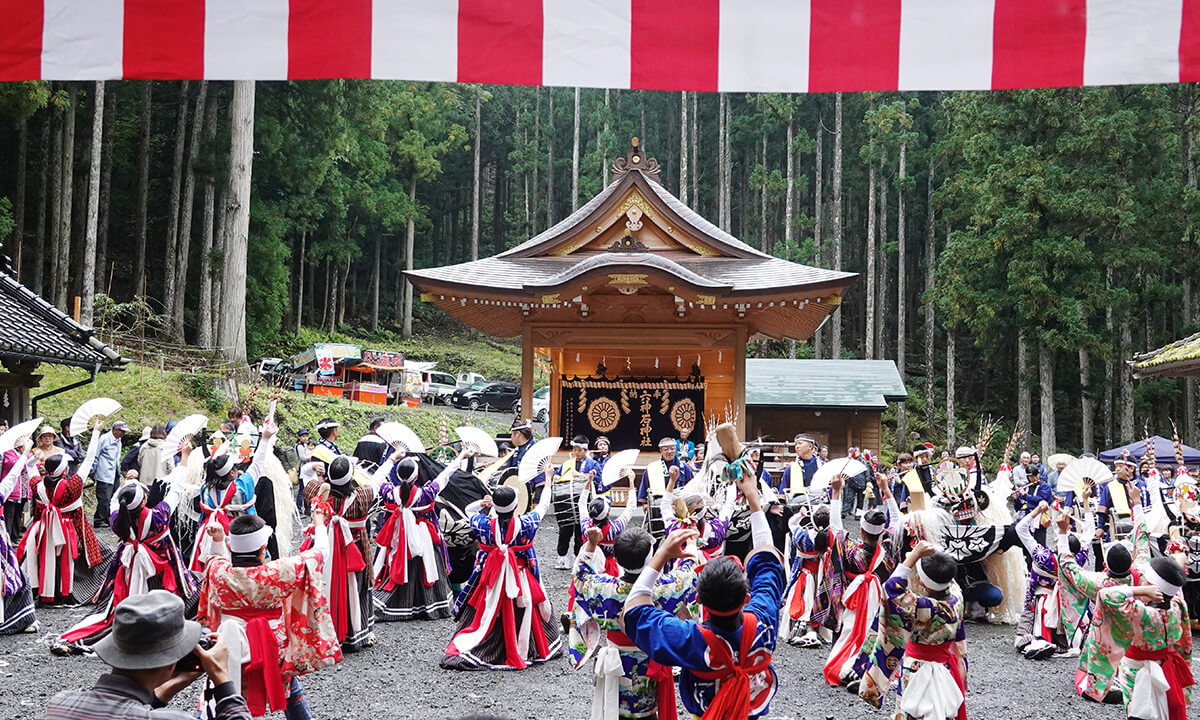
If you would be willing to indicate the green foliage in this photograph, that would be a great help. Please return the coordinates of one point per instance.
(6, 219)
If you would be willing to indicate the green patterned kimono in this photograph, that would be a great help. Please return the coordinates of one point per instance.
(1147, 628)
(1106, 640)
(908, 616)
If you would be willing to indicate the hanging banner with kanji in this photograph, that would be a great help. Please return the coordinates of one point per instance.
(630, 412)
(705, 45)
(324, 361)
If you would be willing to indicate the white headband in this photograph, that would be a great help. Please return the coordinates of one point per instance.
(250, 542)
(645, 561)
(509, 507)
(581, 446)
(866, 526)
(139, 494)
(604, 513)
(342, 479)
(928, 581)
(1168, 589)
(61, 467)
(226, 466)
(324, 425)
(406, 469)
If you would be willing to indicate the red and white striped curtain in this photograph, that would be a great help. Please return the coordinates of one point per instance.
(705, 45)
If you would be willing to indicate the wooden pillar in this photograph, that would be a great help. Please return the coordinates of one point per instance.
(739, 381)
(526, 370)
(556, 366)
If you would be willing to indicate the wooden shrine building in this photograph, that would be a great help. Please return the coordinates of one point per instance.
(642, 306)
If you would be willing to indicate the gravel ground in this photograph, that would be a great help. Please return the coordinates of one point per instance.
(400, 677)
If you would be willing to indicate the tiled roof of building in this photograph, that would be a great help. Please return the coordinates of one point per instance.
(32, 329)
(823, 384)
(740, 274)
(1180, 358)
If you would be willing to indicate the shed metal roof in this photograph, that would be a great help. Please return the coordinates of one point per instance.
(823, 384)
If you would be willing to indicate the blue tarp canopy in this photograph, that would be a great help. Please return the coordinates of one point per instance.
(1164, 451)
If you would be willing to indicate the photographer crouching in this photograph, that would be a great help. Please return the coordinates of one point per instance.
(154, 653)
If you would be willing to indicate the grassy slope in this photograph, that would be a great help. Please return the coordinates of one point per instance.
(150, 396)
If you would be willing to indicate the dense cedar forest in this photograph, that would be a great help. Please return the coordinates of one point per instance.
(1016, 247)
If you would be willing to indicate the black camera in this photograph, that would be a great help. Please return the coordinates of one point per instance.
(191, 662)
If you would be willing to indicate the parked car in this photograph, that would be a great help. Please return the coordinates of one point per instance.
(266, 365)
(541, 404)
(282, 373)
(437, 386)
(467, 379)
(488, 395)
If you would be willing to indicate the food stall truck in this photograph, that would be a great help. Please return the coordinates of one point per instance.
(371, 377)
(322, 367)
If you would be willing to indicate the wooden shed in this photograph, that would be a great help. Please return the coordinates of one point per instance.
(839, 402)
(642, 306)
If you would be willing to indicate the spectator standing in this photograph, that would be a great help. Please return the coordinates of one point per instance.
(69, 445)
(149, 638)
(104, 471)
(152, 463)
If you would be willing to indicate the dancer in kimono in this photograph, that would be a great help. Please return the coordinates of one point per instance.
(725, 660)
(1105, 642)
(1040, 629)
(228, 493)
(924, 615)
(597, 513)
(811, 595)
(1155, 674)
(146, 557)
(410, 565)
(273, 614)
(505, 620)
(863, 565)
(627, 683)
(346, 578)
(691, 509)
(16, 596)
(61, 555)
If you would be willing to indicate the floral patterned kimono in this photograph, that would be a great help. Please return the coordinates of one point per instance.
(275, 619)
(16, 597)
(1106, 641)
(1046, 614)
(931, 678)
(1155, 673)
(628, 684)
(505, 620)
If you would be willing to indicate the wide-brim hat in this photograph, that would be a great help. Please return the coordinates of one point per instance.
(47, 430)
(148, 632)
